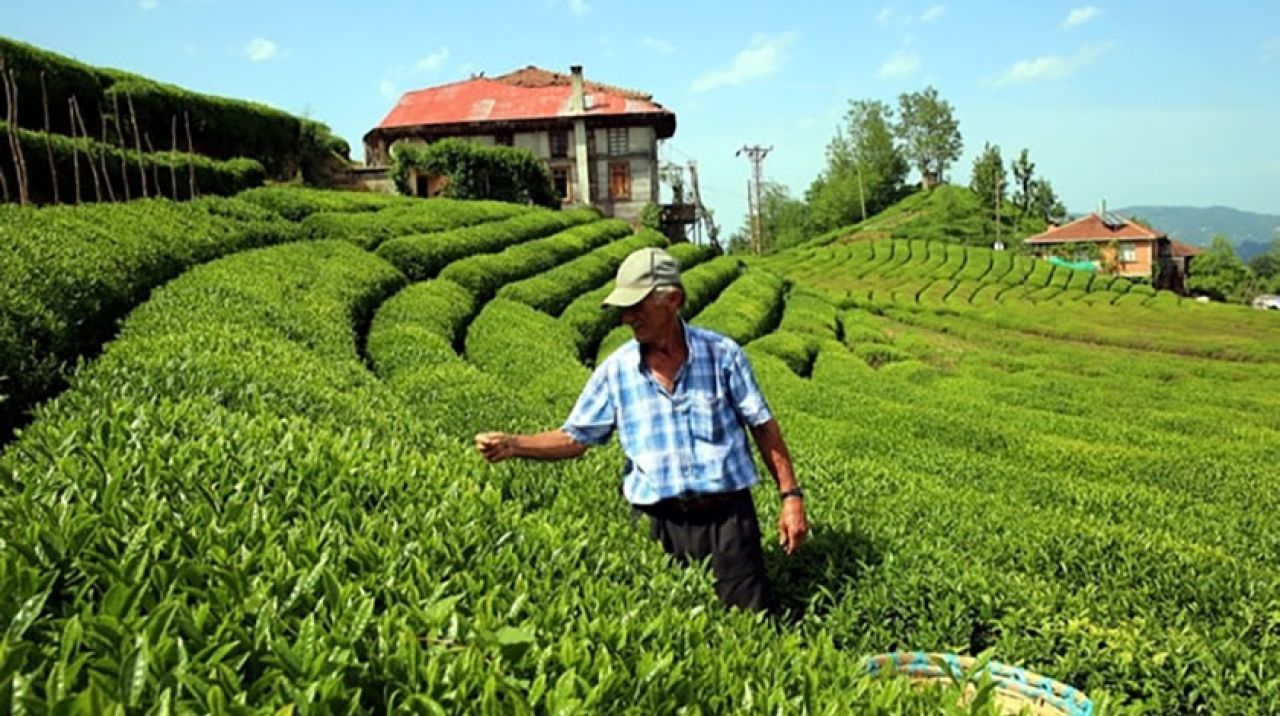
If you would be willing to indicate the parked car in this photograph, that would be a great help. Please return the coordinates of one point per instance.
(1267, 301)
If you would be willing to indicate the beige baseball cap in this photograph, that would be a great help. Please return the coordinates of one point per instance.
(641, 272)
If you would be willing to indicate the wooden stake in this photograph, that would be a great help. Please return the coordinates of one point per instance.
(8, 137)
(137, 143)
(173, 157)
(106, 175)
(48, 144)
(191, 153)
(15, 144)
(75, 148)
(155, 169)
(124, 153)
(84, 132)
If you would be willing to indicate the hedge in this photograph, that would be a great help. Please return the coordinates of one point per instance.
(419, 326)
(221, 128)
(421, 256)
(167, 173)
(551, 291)
(477, 171)
(749, 308)
(368, 229)
(298, 202)
(71, 272)
(484, 274)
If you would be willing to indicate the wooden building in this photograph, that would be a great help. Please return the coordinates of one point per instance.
(600, 142)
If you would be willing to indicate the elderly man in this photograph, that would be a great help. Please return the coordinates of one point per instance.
(679, 397)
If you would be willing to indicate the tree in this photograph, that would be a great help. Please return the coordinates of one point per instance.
(1023, 174)
(930, 134)
(1045, 203)
(476, 171)
(989, 180)
(865, 169)
(1218, 272)
(785, 218)
(1267, 265)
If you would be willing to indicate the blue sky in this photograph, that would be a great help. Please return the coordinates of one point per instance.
(1133, 102)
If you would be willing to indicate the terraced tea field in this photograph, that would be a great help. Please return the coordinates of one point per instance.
(257, 492)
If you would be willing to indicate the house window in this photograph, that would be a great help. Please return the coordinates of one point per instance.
(618, 144)
(1128, 253)
(560, 180)
(504, 139)
(620, 180)
(559, 144)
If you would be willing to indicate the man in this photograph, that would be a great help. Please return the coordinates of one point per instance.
(679, 397)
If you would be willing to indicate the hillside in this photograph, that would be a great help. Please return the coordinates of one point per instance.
(263, 490)
(1251, 233)
(946, 213)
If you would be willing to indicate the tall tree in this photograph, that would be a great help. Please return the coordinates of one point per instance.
(989, 180)
(1045, 203)
(865, 169)
(930, 134)
(1023, 174)
(1218, 272)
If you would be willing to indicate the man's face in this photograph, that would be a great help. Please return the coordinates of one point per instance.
(653, 317)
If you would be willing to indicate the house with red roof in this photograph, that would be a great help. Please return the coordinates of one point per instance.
(600, 142)
(1121, 246)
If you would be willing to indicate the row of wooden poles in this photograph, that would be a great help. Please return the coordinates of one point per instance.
(99, 172)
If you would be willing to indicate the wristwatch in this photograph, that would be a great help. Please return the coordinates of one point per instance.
(793, 492)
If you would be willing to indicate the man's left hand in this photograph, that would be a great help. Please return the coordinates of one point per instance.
(793, 527)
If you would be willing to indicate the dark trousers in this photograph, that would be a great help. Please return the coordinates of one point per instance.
(724, 528)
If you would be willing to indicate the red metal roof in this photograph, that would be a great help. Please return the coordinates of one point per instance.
(1094, 227)
(530, 93)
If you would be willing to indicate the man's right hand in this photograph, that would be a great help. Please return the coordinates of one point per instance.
(495, 447)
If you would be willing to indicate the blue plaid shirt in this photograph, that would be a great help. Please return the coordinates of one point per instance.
(684, 442)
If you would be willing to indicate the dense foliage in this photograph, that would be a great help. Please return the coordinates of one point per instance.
(476, 171)
(105, 170)
(221, 128)
(245, 504)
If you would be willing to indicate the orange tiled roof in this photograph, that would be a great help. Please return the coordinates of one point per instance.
(1096, 227)
(1181, 249)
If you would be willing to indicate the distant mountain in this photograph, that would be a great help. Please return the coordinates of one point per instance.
(1250, 233)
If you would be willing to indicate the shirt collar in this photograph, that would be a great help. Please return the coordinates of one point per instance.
(692, 352)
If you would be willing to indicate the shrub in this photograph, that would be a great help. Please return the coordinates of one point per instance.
(484, 274)
(422, 256)
(476, 171)
(167, 173)
(551, 291)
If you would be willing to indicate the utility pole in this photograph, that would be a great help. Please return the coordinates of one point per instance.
(756, 154)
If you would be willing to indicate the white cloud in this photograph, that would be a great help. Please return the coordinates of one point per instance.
(900, 64)
(885, 14)
(579, 7)
(762, 57)
(1050, 67)
(387, 89)
(1080, 16)
(660, 46)
(433, 61)
(932, 13)
(148, 4)
(260, 49)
